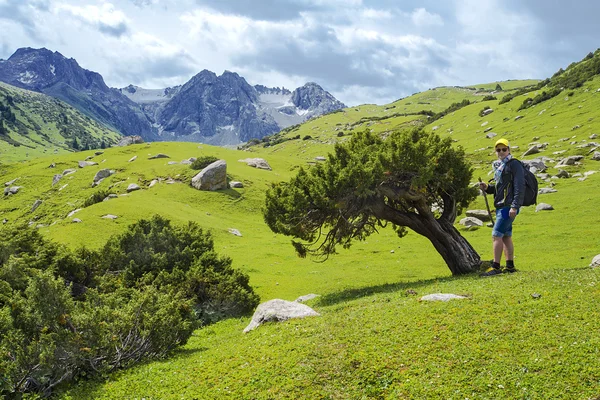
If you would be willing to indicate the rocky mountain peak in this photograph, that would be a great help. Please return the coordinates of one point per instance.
(311, 96)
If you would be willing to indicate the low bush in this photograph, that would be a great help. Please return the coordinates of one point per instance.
(70, 314)
(97, 197)
(203, 162)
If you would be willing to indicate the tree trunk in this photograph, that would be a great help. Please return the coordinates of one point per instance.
(456, 251)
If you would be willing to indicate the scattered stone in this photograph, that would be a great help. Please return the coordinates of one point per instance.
(129, 140)
(103, 173)
(471, 222)
(596, 156)
(572, 160)
(543, 207)
(4, 221)
(547, 190)
(442, 297)
(76, 220)
(488, 111)
(109, 216)
(172, 162)
(213, 177)
(532, 150)
(595, 262)
(56, 178)
(536, 295)
(306, 297)
(89, 158)
(159, 155)
(186, 162)
(485, 123)
(37, 203)
(320, 158)
(53, 165)
(593, 136)
(234, 232)
(132, 159)
(563, 174)
(411, 292)
(98, 153)
(278, 311)
(236, 184)
(83, 164)
(518, 117)
(481, 215)
(68, 171)
(9, 183)
(11, 190)
(491, 135)
(69, 215)
(154, 182)
(588, 173)
(132, 187)
(257, 163)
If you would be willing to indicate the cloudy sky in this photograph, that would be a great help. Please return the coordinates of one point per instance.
(362, 51)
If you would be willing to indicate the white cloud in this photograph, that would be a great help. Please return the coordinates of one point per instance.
(422, 18)
(105, 17)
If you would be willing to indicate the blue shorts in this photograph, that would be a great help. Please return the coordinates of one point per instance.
(503, 225)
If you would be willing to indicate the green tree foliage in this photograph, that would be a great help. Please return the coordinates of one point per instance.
(203, 162)
(545, 95)
(68, 314)
(413, 180)
(498, 88)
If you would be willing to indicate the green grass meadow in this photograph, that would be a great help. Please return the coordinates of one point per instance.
(529, 335)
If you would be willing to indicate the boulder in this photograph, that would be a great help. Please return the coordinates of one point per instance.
(11, 190)
(133, 159)
(536, 163)
(563, 174)
(306, 297)
(36, 204)
(595, 262)
(109, 216)
(76, 220)
(154, 182)
(481, 215)
(532, 150)
(103, 173)
(9, 183)
(257, 163)
(596, 156)
(572, 160)
(97, 153)
(213, 177)
(236, 184)
(132, 187)
(320, 158)
(128, 140)
(491, 135)
(488, 111)
(547, 190)
(442, 297)
(83, 164)
(69, 215)
(470, 222)
(56, 178)
(543, 207)
(277, 311)
(68, 171)
(234, 232)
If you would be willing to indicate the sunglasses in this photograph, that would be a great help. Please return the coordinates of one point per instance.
(501, 150)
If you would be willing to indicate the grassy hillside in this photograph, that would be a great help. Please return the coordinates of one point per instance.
(527, 335)
(37, 125)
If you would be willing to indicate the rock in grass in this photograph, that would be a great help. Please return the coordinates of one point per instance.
(234, 232)
(259, 163)
(213, 177)
(83, 164)
(306, 297)
(109, 216)
(76, 220)
(159, 155)
(11, 190)
(37, 203)
(481, 215)
(133, 159)
(595, 262)
(278, 311)
(103, 173)
(132, 187)
(236, 184)
(9, 183)
(543, 207)
(56, 178)
(471, 222)
(442, 297)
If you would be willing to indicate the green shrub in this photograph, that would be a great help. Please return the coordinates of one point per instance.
(97, 197)
(68, 314)
(307, 137)
(203, 162)
(489, 98)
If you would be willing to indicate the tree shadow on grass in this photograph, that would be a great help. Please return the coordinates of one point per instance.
(358, 293)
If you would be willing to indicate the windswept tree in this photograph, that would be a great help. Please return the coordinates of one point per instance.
(414, 180)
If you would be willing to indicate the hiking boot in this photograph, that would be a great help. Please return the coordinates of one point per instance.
(509, 270)
(491, 272)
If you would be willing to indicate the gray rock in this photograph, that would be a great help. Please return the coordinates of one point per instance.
(320, 158)
(536, 163)
(596, 156)
(97, 153)
(83, 164)
(37, 203)
(593, 136)
(257, 163)
(491, 135)
(76, 220)
(4, 221)
(172, 162)
(213, 177)
(236, 184)
(278, 311)
(11, 190)
(103, 173)
(563, 174)
(56, 178)
(595, 262)
(547, 190)
(234, 232)
(543, 207)
(306, 297)
(9, 183)
(132, 187)
(154, 182)
(159, 155)
(442, 297)
(69, 215)
(68, 171)
(481, 215)
(53, 165)
(129, 140)
(109, 216)
(471, 222)
(518, 117)
(186, 162)
(133, 159)
(488, 111)
(572, 160)
(532, 150)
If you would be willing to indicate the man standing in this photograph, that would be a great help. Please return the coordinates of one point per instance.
(508, 191)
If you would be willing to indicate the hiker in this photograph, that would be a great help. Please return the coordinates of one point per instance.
(508, 191)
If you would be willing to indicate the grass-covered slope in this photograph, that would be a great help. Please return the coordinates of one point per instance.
(37, 125)
(526, 335)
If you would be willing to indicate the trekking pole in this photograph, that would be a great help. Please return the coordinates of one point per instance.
(486, 202)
